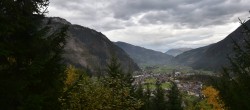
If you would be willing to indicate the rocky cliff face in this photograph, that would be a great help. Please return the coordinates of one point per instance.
(87, 48)
(214, 56)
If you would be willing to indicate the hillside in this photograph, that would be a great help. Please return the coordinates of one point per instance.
(214, 56)
(143, 56)
(87, 48)
(177, 51)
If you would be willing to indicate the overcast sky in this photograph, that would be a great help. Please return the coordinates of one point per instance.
(156, 24)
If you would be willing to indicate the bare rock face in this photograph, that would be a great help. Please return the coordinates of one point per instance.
(87, 48)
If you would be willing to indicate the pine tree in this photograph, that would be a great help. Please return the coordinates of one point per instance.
(159, 99)
(139, 94)
(30, 68)
(174, 98)
(121, 86)
(147, 99)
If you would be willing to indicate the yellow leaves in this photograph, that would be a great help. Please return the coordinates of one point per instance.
(212, 98)
(11, 60)
(71, 75)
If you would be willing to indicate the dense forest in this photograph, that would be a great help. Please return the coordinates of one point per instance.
(33, 77)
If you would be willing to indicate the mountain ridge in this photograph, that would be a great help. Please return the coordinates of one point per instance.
(89, 49)
(214, 56)
(143, 56)
(177, 51)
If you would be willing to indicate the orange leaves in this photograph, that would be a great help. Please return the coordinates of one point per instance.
(212, 98)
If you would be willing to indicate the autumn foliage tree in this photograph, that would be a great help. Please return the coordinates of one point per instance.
(112, 92)
(82, 92)
(212, 100)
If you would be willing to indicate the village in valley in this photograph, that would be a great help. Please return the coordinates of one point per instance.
(188, 81)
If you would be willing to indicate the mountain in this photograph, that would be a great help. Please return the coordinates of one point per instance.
(178, 51)
(214, 56)
(143, 56)
(87, 48)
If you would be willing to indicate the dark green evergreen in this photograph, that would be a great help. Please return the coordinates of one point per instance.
(159, 101)
(121, 85)
(174, 98)
(147, 99)
(115, 72)
(139, 92)
(114, 68)
(30, 68)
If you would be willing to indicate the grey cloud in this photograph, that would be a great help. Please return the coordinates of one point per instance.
(127, 19)
(181, 13)
(174, 40)
(125, 9)
(93, 14)
(110, 25)
(189, 13)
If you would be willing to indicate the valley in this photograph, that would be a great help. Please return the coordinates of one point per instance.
(190, 82)
(188, 72)
(124, 55)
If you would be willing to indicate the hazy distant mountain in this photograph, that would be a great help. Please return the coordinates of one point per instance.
(143, 56)
(177, 51)
(87, 48)
(213, 56)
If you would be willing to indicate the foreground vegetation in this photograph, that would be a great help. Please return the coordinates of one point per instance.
(31, 73)
(32, 76)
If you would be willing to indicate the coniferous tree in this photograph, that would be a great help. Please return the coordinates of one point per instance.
(128, 78)
(159, 102)
(121, 86)
(143, 96)
(147, 99)
(30, 68)
(174, 98)
(139, 94)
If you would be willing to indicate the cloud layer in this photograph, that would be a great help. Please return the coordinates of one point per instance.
(156, 24)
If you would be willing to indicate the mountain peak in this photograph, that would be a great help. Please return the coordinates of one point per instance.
(59, 20)
(87, 48)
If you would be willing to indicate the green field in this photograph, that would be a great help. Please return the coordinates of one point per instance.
(152, 81)
(168, 69)
(166, 85)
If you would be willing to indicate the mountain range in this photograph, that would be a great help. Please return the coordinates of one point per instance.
(87, 48)
(214, 56)
(177, 51)
(143, 56)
